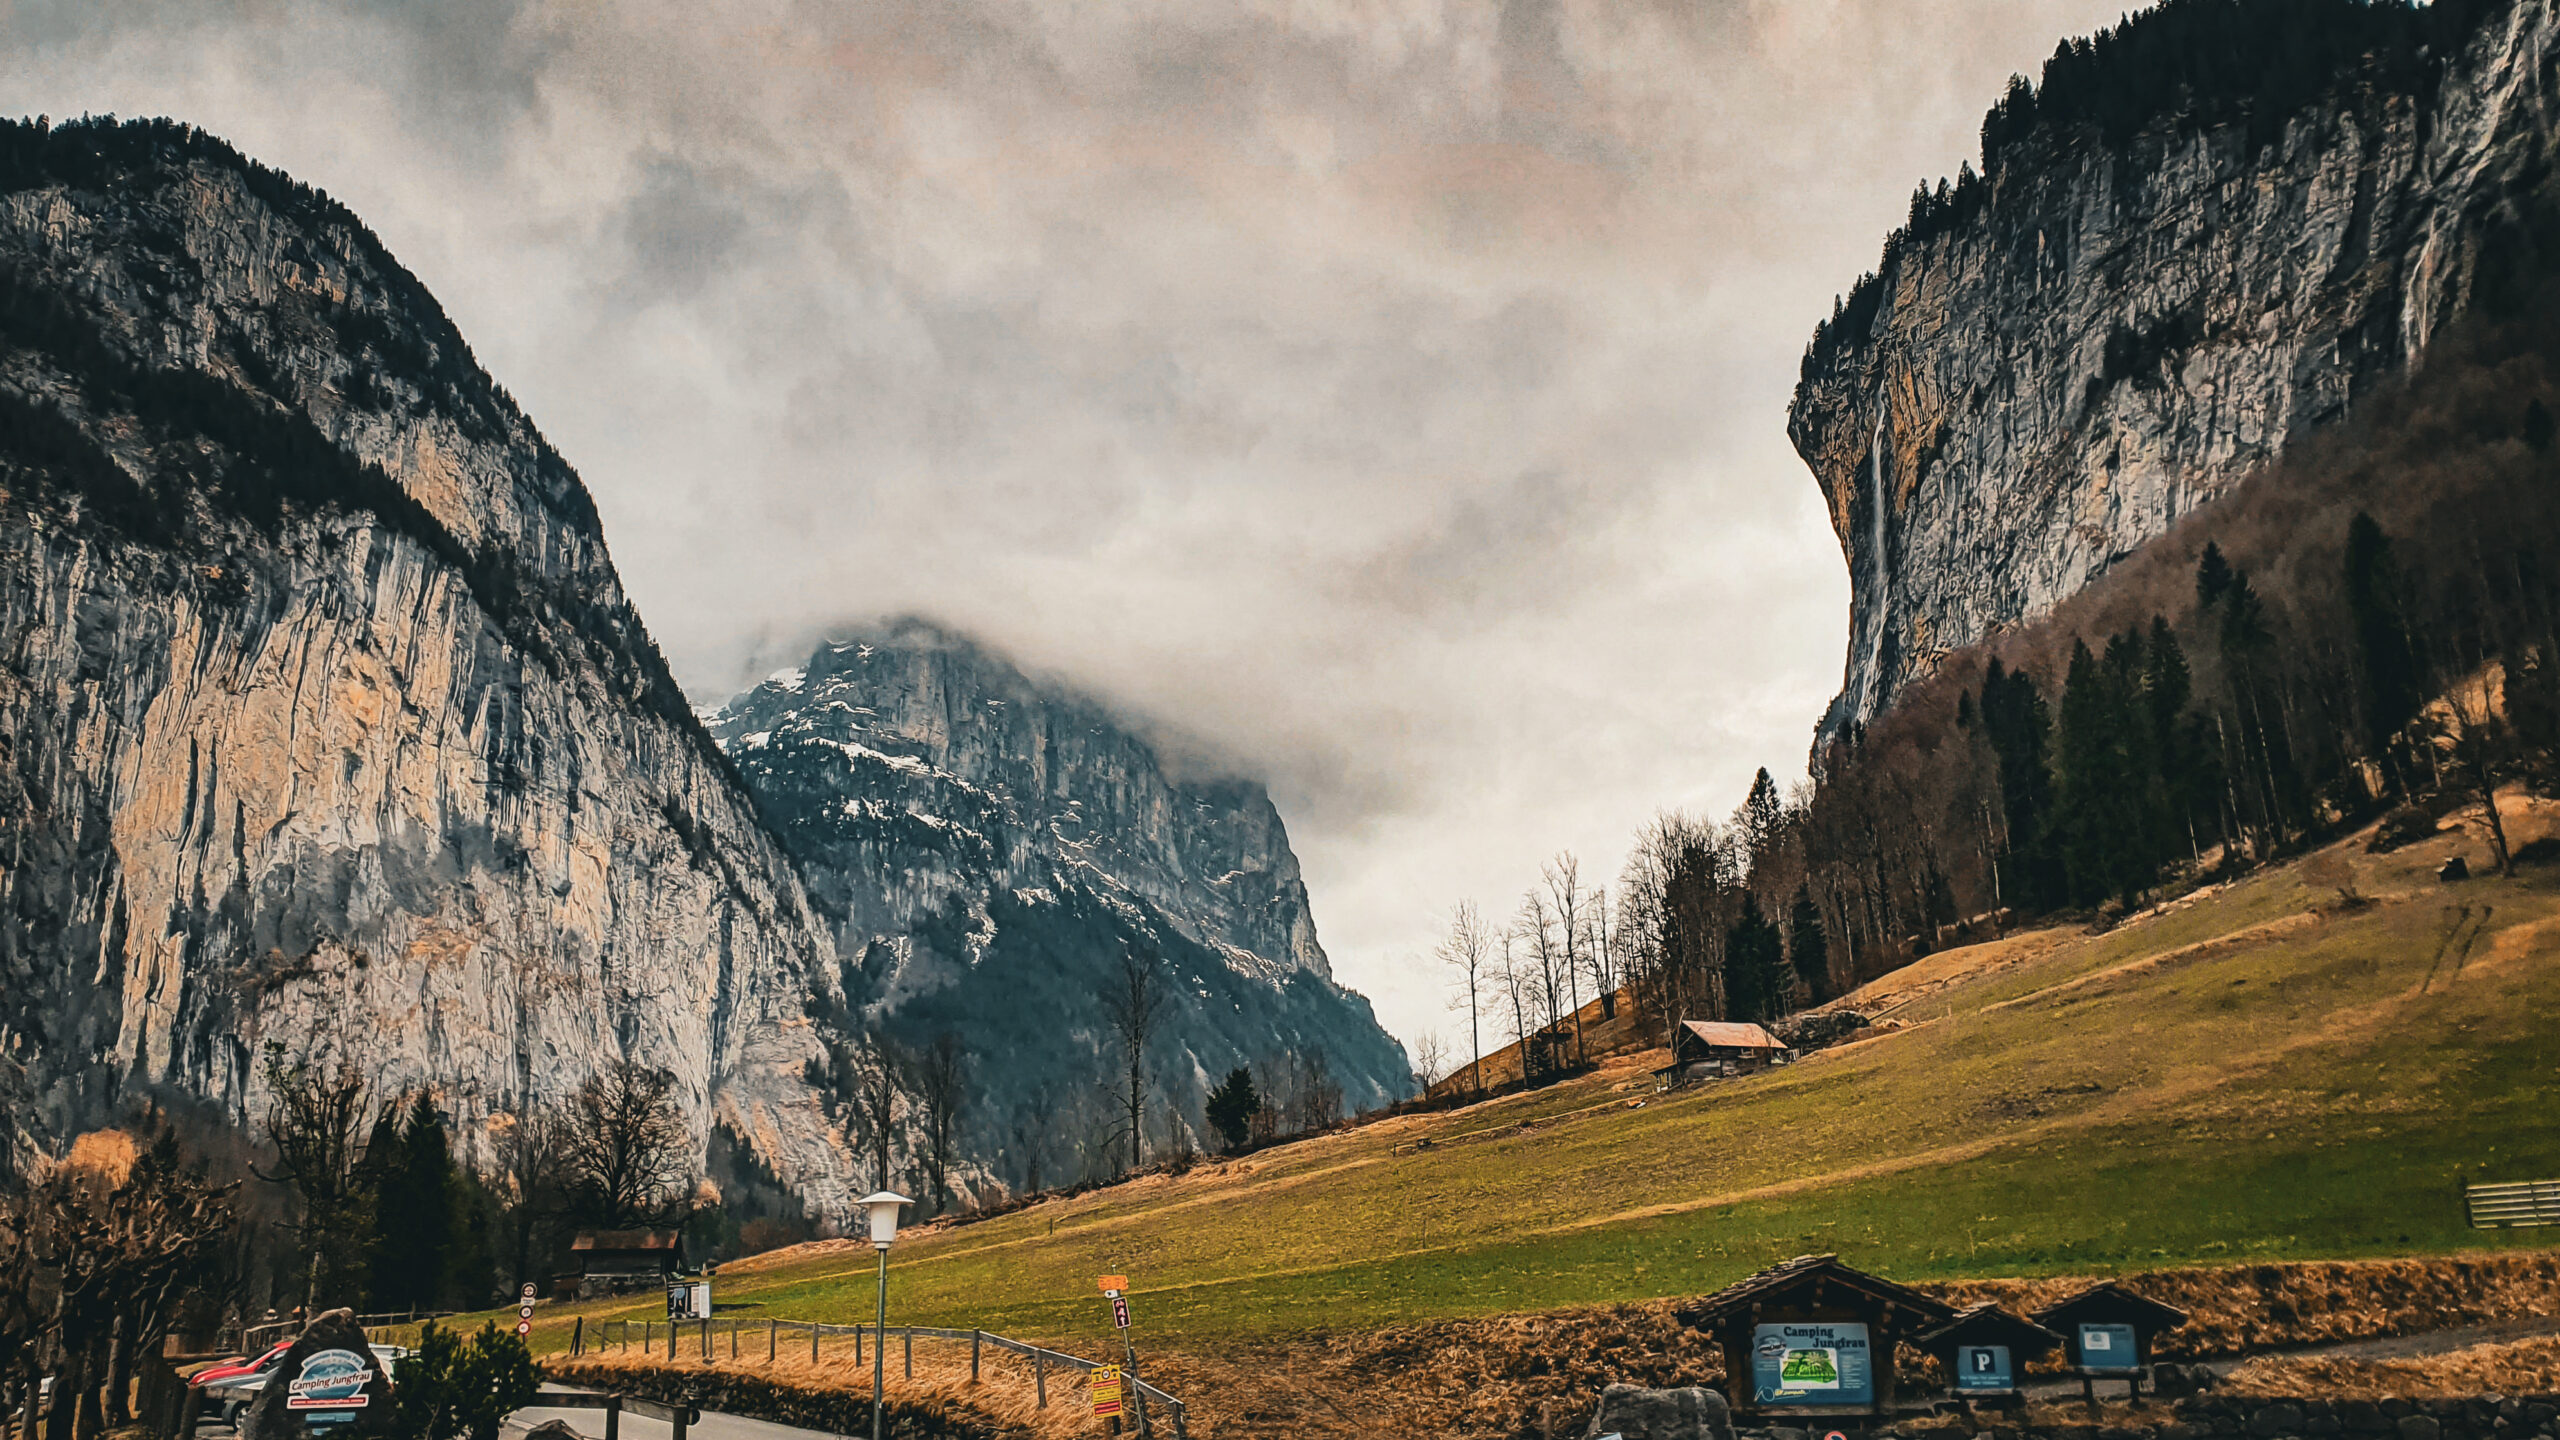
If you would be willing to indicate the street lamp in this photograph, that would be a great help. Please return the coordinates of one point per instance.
(882, 1206)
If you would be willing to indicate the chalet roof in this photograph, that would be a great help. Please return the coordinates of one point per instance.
(1804, 1270)
(1733, 1035)
(626, 1240)
(1988, 1324)
(2108, 1303)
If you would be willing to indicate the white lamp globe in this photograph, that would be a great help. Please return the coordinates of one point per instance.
(882, 1207)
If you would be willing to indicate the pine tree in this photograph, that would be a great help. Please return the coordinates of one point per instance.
(1758, 984)
(2392, 688)
(1807, 950)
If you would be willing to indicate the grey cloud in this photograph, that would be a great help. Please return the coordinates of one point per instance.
(1383, 397)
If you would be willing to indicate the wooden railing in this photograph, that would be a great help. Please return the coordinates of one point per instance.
(2525, 1202)
(616, 1334)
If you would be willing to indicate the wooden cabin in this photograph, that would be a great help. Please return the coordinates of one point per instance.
(1813, 1337)
(1706, 1049)
(611, 1262)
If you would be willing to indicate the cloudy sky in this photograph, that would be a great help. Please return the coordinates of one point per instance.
(1386, 394)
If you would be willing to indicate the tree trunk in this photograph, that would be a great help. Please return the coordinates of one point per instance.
(119, 1403)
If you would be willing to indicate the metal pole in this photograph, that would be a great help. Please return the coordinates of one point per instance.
(772, 1339)
(910, 1332)
(880, 1352)
(613, 1417)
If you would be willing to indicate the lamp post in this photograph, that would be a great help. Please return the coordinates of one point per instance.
(882, 1207)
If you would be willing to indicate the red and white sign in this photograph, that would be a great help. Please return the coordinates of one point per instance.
(1120, 1312)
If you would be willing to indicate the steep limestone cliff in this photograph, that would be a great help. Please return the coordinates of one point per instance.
(323, 718)
(989, 847)
(2103, 332)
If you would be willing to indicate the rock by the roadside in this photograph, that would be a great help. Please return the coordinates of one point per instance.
(2454, 869)
(1691, 1413)
(337, 1388)
(2420, 1427)
(2281, 1418)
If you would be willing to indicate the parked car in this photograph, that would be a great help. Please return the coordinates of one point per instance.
(236, 1369)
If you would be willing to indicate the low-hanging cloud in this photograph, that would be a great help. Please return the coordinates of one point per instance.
(1385, 395)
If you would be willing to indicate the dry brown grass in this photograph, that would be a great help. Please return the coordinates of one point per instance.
(1005, 1396)
(2521, 1366)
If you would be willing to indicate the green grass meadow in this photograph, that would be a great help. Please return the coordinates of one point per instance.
(2317, 1090)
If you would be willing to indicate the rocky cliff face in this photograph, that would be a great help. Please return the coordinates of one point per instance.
(323, 719)
(989, 847)
(2057, 361)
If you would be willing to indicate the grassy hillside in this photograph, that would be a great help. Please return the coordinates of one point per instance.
(2258, 1072)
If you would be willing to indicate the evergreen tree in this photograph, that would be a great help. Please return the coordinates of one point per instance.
(2016, 723)
(2213, 576)
(1231, 1107)
(1807, 949)
(1758, 984)
(2393, 690)
(413, 1179)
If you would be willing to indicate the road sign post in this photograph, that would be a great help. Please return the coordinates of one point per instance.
(1115, 1288)
(524, 1310)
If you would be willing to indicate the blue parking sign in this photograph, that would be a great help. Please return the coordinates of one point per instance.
(1984, 1367)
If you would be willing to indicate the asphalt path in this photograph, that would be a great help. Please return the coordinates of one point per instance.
(712, 1426)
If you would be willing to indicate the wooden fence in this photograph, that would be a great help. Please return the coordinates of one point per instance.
(705, 1334)
(2525, 1202)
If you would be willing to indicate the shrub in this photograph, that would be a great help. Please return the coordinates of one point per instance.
(454, 1387)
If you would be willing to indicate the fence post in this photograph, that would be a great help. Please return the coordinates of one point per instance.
(772, 1339)
(813, 1342)
(648, 1337)
(1040, 1375)
(857, 1347)
(613, 1417)
(733, 1339)
(578, 1337)
(911, 1352)
(975, 1336)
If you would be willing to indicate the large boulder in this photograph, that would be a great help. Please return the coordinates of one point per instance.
(327, 1387)
(1635, 1413)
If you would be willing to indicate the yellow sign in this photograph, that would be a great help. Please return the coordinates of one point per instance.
(1114, 1282)
(1106, 1390)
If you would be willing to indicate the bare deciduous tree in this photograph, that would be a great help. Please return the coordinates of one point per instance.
(1466, 951)
(319, 1114)
(1430, 1059)
(941, 1092)
(1136, 1001)
(629, 1155)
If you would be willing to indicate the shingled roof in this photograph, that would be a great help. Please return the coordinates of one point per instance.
(2107, 1303)
(1988, 1324)
(1805, 1270)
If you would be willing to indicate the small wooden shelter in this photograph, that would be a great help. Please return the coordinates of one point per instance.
(2107, 1331)
(1813, 1337)
(613, 1261)
(1985, 1351)
(1701, 1049)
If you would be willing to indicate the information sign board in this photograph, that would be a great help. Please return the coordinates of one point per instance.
(1106, 1390)
(1812, 1363)
(1984, 1367)
(2108, 1347)
(1120, 1311)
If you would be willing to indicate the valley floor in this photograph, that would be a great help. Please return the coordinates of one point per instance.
(2259, 1072)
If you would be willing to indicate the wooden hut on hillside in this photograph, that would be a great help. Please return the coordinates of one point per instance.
(1705, 1049)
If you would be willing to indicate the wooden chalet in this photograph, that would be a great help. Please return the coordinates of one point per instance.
(1703, 1049)
(1813, 1337)
(2107, 1332)
(1985, 1351)
(611, 1262)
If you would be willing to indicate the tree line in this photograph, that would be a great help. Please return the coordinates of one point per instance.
(2371, 628)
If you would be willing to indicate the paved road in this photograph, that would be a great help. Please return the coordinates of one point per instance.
(712, 1426)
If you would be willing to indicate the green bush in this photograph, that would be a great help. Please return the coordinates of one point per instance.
(454, 1387)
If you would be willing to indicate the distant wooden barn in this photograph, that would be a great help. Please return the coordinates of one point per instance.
(1703, 1049)
(611, 1262)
